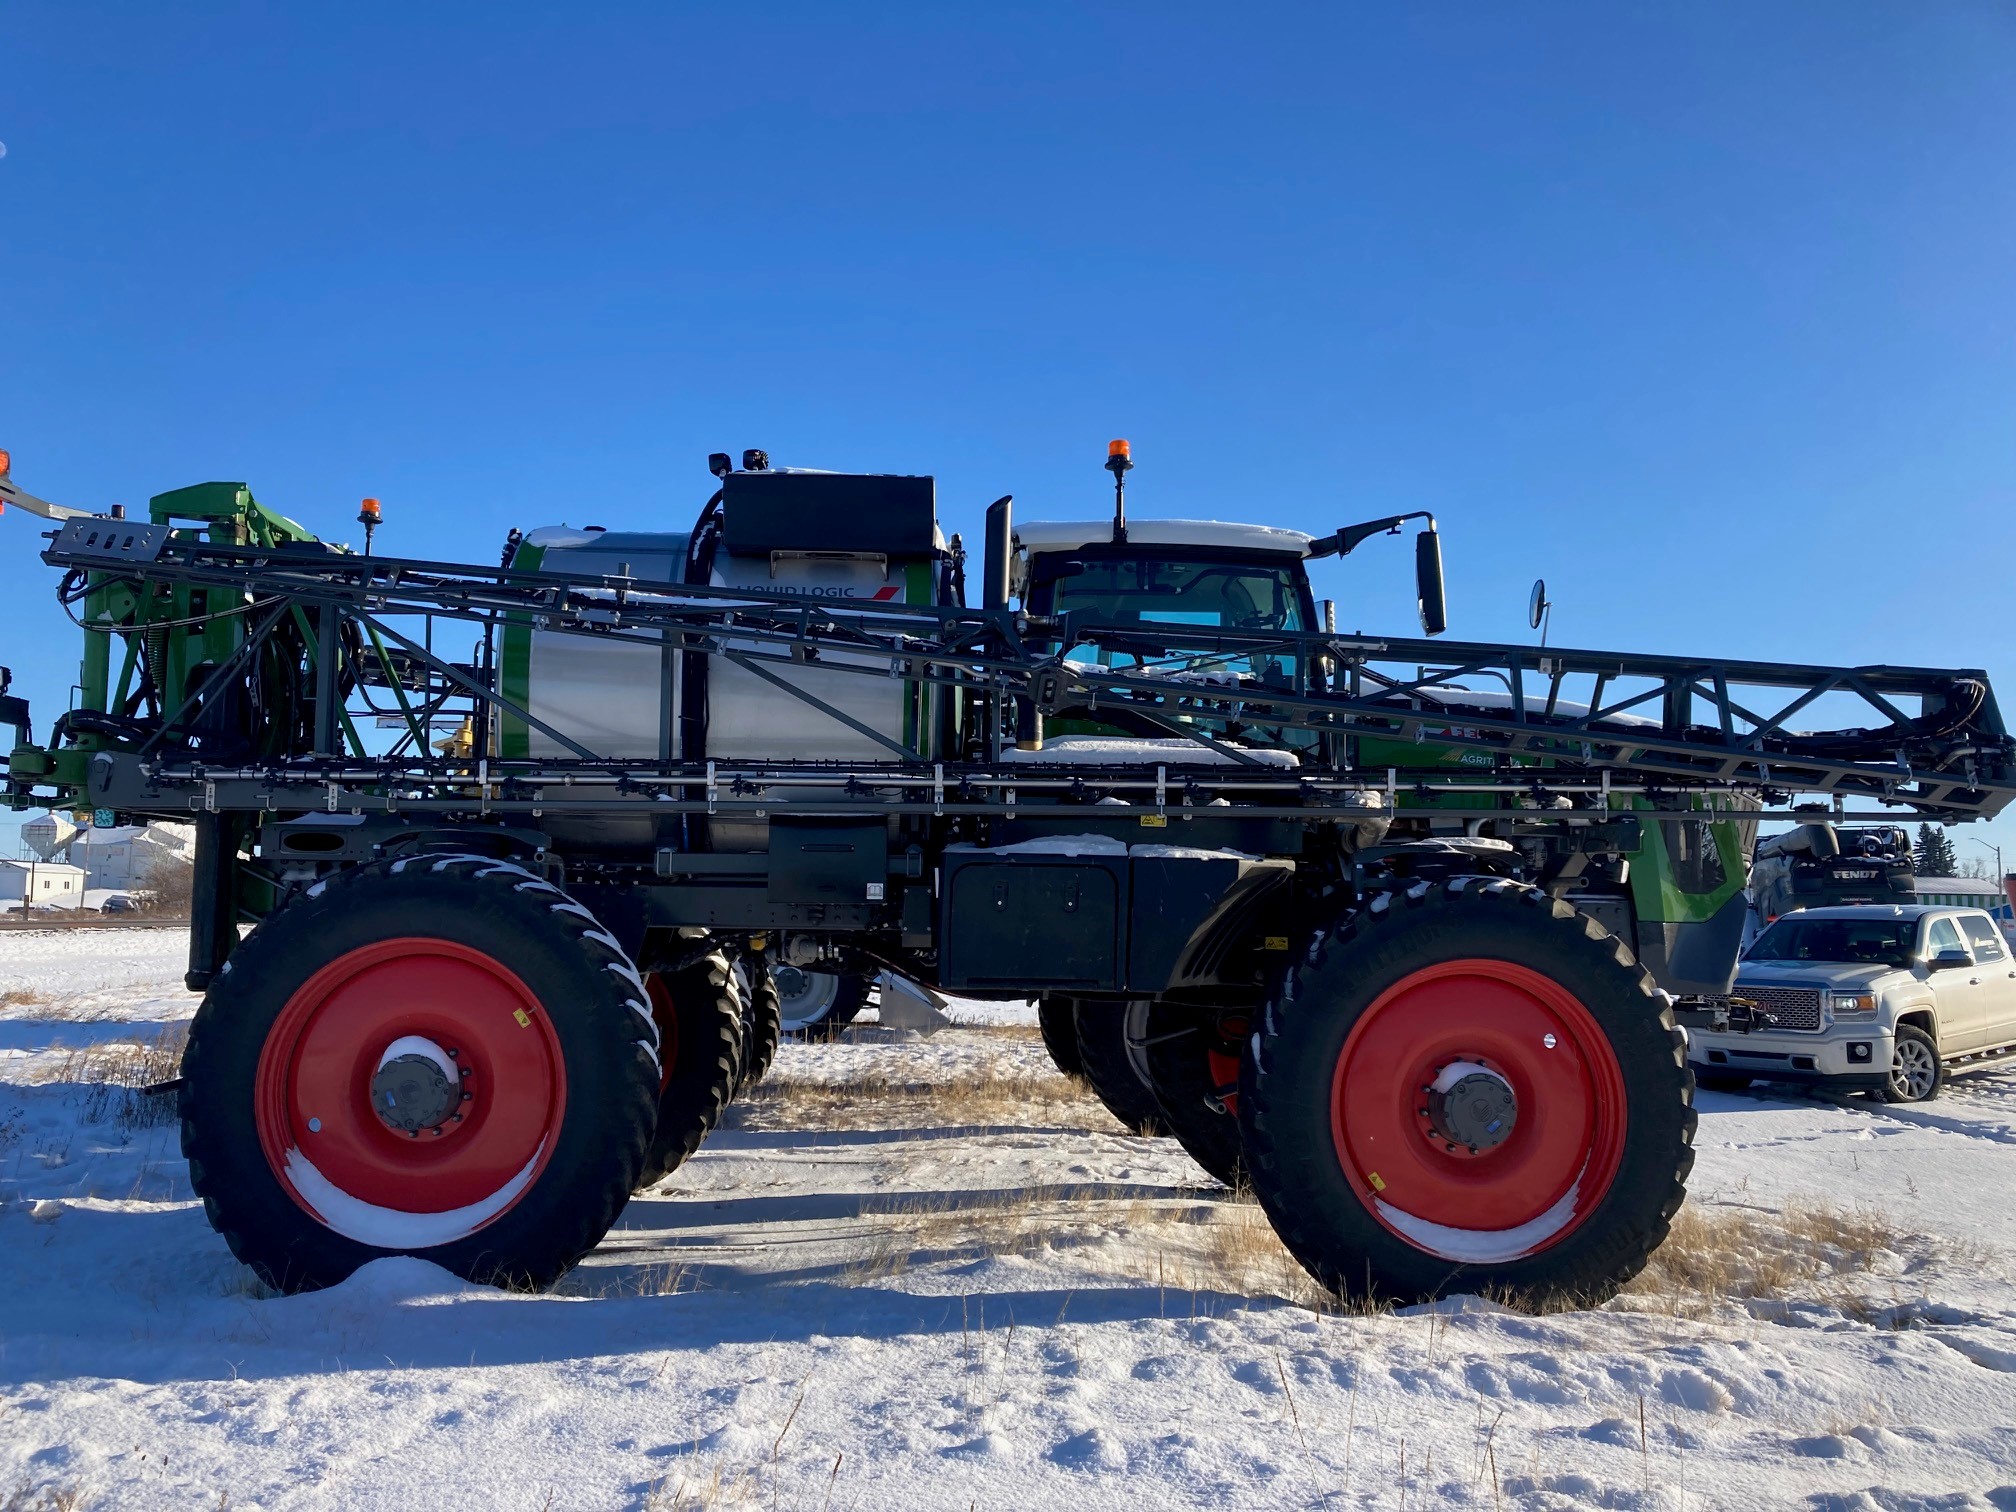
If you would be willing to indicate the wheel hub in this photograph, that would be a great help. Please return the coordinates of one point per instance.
(1470, 1106)
(417, 1086)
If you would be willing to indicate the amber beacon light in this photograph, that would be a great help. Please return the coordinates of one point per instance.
(1119, 460)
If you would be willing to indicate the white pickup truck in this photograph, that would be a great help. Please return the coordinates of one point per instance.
(1875, 997)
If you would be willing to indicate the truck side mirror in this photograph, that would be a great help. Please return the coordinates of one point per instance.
(1952, 960)
(1428, 586)
(1000, 552)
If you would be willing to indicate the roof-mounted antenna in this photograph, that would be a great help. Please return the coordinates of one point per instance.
(1119, 461)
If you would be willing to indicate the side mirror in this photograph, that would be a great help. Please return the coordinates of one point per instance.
(1000, 552)
(1952, 960)
(1428, 588)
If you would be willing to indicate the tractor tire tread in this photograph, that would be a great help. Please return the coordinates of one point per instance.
(1602, 1266)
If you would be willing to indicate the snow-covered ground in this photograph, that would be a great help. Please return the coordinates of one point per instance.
(971, 1298)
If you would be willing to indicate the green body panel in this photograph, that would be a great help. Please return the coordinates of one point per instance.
(234, 517)
(1657, 876)
(198, 627)
(920, 732)
(514, 665)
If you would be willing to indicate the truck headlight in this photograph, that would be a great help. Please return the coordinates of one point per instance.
(1852, 1004)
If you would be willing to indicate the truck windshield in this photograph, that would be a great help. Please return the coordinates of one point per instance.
(1866, 942)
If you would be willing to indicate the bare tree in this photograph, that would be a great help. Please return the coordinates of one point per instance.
(167, 884)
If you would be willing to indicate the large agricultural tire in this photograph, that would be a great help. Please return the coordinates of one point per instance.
(1056, 1019)
(699, 1013)
(762, 1021)
(1192, 1055)
(1116, 1078)
(817, 1005)
(440, 1055)
(1468, 1087)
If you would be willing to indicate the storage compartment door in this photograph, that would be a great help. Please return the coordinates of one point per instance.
(1013, 926)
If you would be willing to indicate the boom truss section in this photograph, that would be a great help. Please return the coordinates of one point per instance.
(1539, 728)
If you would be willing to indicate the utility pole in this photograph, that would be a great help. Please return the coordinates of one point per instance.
(1999, 873)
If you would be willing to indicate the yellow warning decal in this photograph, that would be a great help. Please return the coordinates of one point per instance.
(1377, 1184)
(524, 1018)
(1276, 942)
(1154, 821)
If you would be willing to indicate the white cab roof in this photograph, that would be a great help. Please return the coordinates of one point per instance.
(1069, 535)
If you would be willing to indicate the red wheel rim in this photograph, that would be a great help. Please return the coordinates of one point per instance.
(1566, 1141)
(1221, 1055)
(341, 1162)
(667, 1020)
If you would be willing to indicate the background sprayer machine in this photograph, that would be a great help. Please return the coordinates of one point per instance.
(1396, 929)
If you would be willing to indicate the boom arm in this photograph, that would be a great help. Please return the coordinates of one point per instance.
(1649, 725)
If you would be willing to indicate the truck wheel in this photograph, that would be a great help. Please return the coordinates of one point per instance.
(1056, 1018)
(1193, 1070)
(699, 1013)
(1101, 1030)
(817, 1005)
(440, 1055)
(1916, 1071)
(1469, 1087)
(762, 1022)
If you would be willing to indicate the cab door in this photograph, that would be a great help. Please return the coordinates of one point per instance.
(1997, 971)
(1958, 990)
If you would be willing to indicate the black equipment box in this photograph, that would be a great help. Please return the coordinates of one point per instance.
(816, 860)
(1102, 921)
(1032, 919)
(884, 514)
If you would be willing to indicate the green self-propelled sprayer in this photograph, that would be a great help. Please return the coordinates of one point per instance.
(1400, 931)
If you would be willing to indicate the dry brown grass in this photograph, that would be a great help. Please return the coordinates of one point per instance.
(18, 997)
(44, 1499)
(1226, 1247)
(114, 1073)
(995, 1096)
(1191, 1248)
(1810, 1251)
(138, 1062)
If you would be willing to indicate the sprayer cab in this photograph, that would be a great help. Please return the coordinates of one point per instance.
(1206, 573)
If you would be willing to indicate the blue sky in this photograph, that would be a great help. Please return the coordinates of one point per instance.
(1689, 308)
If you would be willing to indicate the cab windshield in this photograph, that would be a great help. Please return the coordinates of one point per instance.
(1213, 595)
(1862, 942)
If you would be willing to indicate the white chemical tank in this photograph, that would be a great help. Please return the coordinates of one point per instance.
(860, 539)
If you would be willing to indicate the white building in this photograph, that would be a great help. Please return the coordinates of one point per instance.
(121, 858)
(43, 884)
(116, 860)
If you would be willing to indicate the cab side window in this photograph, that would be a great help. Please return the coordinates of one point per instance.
(1984, 937)
(1942, 934)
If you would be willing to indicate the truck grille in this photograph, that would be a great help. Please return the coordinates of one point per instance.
(1790, 1007)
